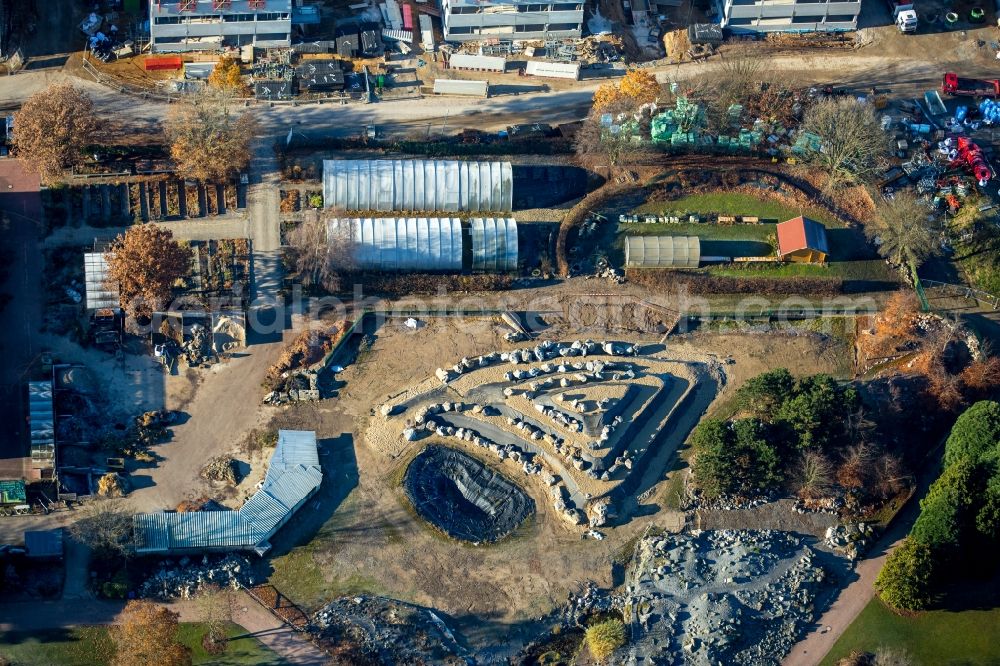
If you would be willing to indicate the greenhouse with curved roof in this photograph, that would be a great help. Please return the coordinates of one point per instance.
(418, 185)
(662, 251)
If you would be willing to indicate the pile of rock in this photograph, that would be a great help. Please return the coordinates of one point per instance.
(544, 351)
(850, 539)
(733, 597)
(185, 579)
(221, 469)
(377, 630)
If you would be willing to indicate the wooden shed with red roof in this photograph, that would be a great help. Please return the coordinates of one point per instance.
(802, 241)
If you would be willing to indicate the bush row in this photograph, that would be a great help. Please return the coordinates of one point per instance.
(702, 283)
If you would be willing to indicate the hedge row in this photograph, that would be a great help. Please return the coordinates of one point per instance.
(703, 283)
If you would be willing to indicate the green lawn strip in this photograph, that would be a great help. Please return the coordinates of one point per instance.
(735, 203)
(91, 646)
(932, 638)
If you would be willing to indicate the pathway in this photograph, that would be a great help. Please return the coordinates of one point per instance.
(853, 598)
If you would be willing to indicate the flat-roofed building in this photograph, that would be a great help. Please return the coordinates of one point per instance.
(209, 25)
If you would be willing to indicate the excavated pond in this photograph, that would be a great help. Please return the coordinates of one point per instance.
(463, 497)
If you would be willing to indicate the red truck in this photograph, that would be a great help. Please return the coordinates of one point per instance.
(953, 84)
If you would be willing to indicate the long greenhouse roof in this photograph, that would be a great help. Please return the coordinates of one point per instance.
(417, 185)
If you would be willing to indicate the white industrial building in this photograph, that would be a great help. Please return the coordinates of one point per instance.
(293, 475)
(203, 25)
(418, 185)
(749, 16)
(422, 244)
(466, 20)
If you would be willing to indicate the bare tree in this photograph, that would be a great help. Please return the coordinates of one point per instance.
(853, 145)
(52, 129)
(608, 136)
(209, 140)
(813, 475)
(215, 605)
(105, 526)
(322, 250)
(742, 72)
(903, 231)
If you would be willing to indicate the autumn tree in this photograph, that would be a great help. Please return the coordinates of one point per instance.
(145, 634)
(209, 140)
(145, 262)
(228, 76)
(637, 87)
(52, 129)
(104, 526)
(903, 231)
(853, 145)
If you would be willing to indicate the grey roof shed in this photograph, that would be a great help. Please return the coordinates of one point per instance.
(662, 251)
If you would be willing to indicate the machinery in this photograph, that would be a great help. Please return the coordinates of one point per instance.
(953, 84)
(971, 157)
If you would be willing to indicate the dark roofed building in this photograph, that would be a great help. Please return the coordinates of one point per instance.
(802, 240)
(320, 75)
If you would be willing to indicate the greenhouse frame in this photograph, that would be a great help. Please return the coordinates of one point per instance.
(418, 185)
(662, 251)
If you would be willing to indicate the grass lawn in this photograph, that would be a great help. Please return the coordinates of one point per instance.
(732, 203)
(91, 646)
(933, 638)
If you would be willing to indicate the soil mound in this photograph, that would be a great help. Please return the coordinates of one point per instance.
(463, 497)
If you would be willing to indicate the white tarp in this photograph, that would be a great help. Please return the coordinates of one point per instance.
(553, 70)
(417, 185)
(494, 244)
(477, 62)
(461, 87)
(397, 243)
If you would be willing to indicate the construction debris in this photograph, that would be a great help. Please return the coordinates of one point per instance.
(184, 580)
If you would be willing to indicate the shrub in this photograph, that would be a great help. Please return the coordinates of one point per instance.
(975, 434)
(605, 637)
(905, 579)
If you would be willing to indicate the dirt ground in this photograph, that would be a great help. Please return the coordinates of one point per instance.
(361, 534)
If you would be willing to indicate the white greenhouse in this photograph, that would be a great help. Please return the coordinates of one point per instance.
(494, 244)
(418, 185)
(662, 251)
(398, 243)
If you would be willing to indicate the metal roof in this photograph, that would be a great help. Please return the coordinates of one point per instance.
(494, 243)
(478, 62)
(801, 233)
(401, 243)
(41, 416)
(100, 294)
(44, 543)
(461, 87)
(417, 185)
(662, 251)
(293, 475)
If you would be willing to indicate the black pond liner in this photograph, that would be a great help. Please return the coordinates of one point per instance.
(463, 497)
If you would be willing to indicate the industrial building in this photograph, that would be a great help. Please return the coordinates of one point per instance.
(434, 244)
(467, 20)
(751, 16)
(204, 25)
(801, 240)
(293, 475)
(662, 251)
(418, 185)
